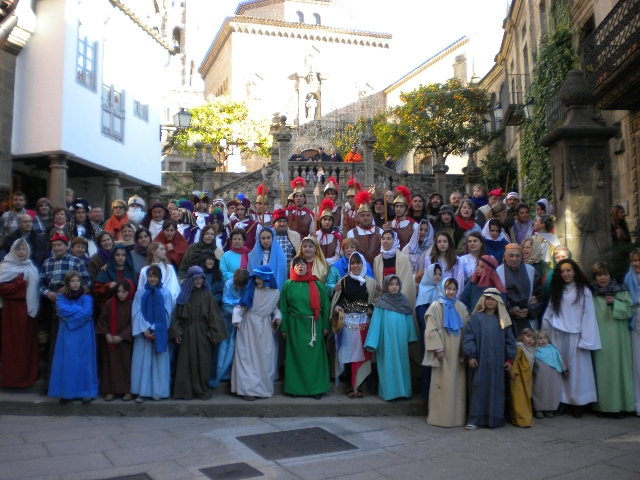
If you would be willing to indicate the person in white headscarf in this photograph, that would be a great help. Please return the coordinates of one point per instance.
(20, 301)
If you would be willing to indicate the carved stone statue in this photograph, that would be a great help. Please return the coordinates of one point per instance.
(311, 105)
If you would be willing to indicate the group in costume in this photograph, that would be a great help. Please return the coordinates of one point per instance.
(484, 301)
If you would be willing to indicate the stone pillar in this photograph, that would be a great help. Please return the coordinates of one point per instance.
(283, 137)
(368, 140)
(112, 191)
(440, 171)
(581, 174)
(197, 167)
(209, 169)
(58, 180)
(153, 194)
(472, 173)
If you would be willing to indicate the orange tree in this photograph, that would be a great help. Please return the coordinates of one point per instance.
(437, 115)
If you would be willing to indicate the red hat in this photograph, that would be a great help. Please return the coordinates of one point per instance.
(496, 193)
(60, 238)
(279, 214)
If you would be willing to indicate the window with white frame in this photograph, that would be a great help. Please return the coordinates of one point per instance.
(86, 59)
(113, 113)
(141, 110)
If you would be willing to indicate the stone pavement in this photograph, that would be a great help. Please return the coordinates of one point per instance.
(86, 447)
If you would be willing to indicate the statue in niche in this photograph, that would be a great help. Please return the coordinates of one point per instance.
(311, 105)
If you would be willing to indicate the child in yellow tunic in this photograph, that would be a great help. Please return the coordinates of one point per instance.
(522, 379)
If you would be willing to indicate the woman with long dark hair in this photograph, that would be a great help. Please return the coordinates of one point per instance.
(619, 227)
(418, 208)
(80, 226)
(571, 322)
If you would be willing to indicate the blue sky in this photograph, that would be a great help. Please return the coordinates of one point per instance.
(420, 28)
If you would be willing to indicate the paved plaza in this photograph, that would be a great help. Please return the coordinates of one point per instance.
(100, 447)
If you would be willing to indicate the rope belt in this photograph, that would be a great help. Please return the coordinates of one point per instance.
(313, 327)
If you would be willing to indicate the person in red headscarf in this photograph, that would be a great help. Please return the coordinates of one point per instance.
(484, 276)
(173, 242)
(116, 342)
(304, 305)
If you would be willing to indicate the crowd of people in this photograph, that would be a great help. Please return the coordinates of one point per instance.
(171, 300)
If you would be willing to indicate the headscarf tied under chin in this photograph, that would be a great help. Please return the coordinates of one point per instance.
(415, 245)
(113, 319)
(501, 311)
(359, 278)
(152, 306)
(452, 322)
(489, 276)
(263, 272)
(386, 254)
(11, 267)
(187, 287)
(396, 302)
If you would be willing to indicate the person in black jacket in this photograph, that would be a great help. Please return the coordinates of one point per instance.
(36, 241)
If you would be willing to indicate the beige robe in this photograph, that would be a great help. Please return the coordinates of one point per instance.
(447, 393)
(404, 272)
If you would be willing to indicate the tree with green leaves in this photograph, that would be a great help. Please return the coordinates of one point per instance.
(497, 170)
(224, 118)
(448, 115)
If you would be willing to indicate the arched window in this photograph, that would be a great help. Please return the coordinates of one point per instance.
(177, 38)
(300, 17)
(317, 17)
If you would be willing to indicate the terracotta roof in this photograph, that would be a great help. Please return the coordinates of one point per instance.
(422, 67)
(150, 31)
(272, 27)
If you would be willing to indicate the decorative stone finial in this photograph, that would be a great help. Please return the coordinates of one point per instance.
(575, 90)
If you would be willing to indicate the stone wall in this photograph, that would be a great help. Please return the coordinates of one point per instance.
(7, 81)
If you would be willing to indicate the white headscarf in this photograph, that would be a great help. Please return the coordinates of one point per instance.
(394, 248)
(486, 233)
(360, 278)
(415, 246)
(11, 267)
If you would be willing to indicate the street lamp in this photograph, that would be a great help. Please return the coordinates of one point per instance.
(497, 111)
(181, 122)
(529, 108)
(182, 119)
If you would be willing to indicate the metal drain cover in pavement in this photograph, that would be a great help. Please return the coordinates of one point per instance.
(137, 476)
(232, 471)
(295, 443)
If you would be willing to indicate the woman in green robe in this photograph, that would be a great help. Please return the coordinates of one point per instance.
(613, 363)
(305, 321)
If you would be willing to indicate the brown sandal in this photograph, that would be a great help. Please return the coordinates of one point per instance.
(359, 394)
(351, 393)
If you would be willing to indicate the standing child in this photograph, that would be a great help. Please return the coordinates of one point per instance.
(548, 369)
(78, 248)
(197, 324)
(116, 345)
(150, 365)
(256, 317)
(491, 348)
(446, 319)
(390, 332)
(521, 379)
(74, 369)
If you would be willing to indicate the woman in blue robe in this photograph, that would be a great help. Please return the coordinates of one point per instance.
(224, 351)
(74, 371)
(267, 251)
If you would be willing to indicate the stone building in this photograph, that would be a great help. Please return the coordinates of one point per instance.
(86, 106)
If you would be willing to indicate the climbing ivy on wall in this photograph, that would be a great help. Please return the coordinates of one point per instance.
(554, 60)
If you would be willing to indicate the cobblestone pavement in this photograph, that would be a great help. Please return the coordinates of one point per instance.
(77, 447)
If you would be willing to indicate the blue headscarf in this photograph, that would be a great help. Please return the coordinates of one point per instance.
(342, 266)
(277, 259)
(631, 284)
(451, 321)
(266, 274)
(551, 356)
(152, 306)
(187, 287)
(428, 289)
(111, 274)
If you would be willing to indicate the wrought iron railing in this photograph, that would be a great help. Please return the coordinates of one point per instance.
(613, 42)
(557, 112)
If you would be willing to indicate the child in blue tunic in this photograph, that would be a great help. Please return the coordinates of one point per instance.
(150, 366)
(74, 372)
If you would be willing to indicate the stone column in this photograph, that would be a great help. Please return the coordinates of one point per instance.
(581, 174)
(440, 171)
(197, 167)
(209, 169)
(58, 180)
(112, 191)
(283, 137)
(153, 194)
(472, 172)
(368, 140)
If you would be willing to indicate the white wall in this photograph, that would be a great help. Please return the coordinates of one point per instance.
(57, 113)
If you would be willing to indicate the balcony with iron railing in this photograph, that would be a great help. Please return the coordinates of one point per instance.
(557, 112)
(611, 58)
(513, 92)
